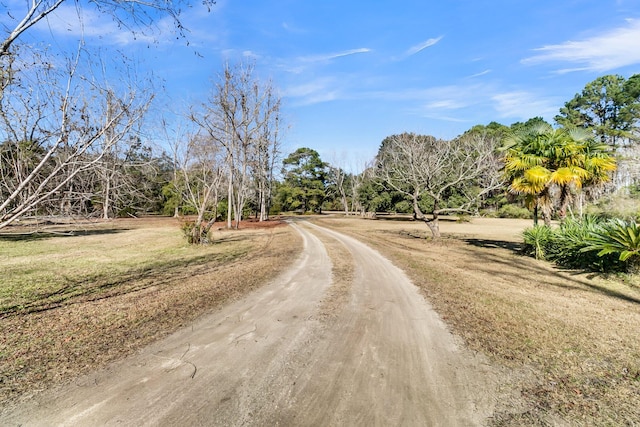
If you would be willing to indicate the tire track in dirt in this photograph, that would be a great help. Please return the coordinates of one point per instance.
(383, 358)
(390, 360)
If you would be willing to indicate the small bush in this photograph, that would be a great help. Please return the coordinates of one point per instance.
(537, 241)
(403, 207)
(514, 211)
(570, 241)
(489, 213)
(464, 218)
(195, 233)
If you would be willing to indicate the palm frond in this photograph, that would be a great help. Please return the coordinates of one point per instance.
(538, 175)
(521, 185)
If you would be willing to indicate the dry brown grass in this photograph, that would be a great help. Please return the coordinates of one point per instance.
(571, 339)
(100, 295)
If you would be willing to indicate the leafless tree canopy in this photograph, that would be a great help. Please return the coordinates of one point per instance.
(419, 166)
(242, 116)
(55, 125)
(65, 130)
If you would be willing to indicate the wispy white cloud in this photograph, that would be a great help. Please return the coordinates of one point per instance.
(472, 103)
(422, 46)
(302, 64)
(314, 92)
(330, 56)
(439, 97)
(482, 73)
(445, 118)
(445, 104)
(292, 29)
(524, 105)
(250, 54)
(608, 51)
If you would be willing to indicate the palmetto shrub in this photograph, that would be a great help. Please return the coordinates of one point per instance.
(619, 238)
(537, 241)
(571, 245)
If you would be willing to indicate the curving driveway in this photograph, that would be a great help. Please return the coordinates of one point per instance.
(385, 358)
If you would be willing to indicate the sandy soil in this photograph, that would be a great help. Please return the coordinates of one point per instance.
(383, 358)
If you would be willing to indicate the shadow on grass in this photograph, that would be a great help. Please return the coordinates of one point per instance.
(99, 287)
(484, 243)
(42, 235)
(563, 277)
(233, 238)
(410, 218)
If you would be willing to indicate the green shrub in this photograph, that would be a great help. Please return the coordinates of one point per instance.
(195, 233)
(403, 207)
(489, 213)
(537, 241)
(619, 238)
(514, 211)
(590, 243)
(570, 241)
(464, 217)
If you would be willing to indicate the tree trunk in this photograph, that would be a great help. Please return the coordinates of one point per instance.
(565, 197)
(345, 203)
(230, 201)
(546, 216)
(433, 224)
(106, 204)
(196, 232)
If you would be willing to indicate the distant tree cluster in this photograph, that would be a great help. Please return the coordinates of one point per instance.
(609, 106)
(230, 151)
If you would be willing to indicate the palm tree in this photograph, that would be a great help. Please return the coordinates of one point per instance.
(543, 162)
(590, 160)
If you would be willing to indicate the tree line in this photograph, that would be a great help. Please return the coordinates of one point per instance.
(74, 143)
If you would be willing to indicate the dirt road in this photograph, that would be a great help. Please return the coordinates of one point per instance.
(383, 358)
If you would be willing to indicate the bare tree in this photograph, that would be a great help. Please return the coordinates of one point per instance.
(134, 15)
(201, 169)
(338, 180)
(418, 166)
(119, 185)
(67, 121)
(347, 185)
(53, 130)
(267, 152)
(242, 115)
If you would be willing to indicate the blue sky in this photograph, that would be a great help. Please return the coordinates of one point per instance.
(353, 72)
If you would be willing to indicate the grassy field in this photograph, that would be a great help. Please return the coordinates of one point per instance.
(70, 302)
(569, 341)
